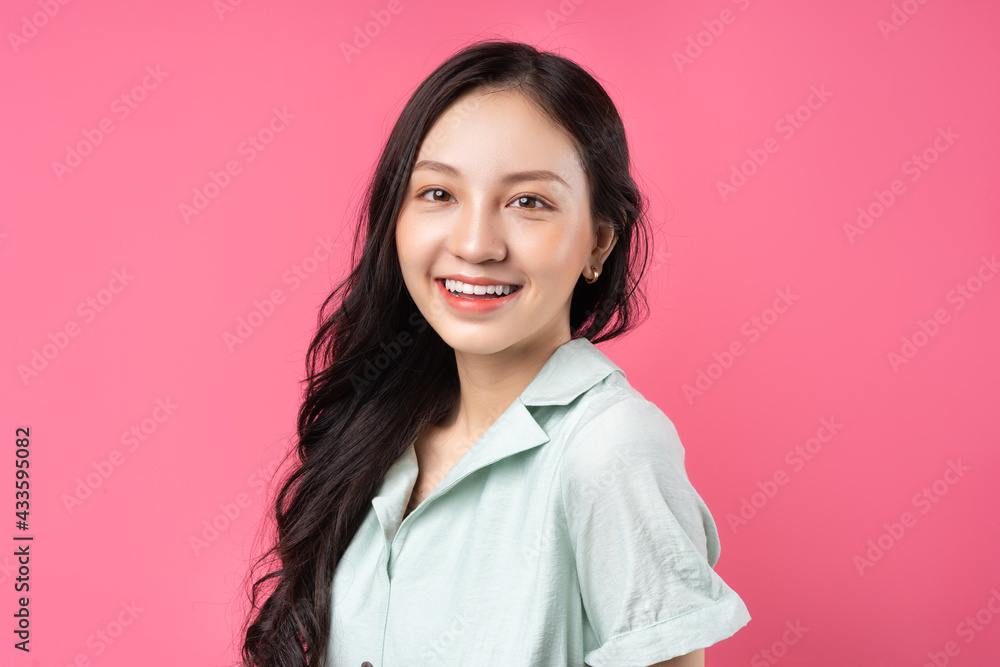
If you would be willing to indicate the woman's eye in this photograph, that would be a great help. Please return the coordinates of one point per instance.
(434, 192)
(527, 201)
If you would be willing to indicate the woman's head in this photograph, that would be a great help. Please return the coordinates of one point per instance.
(494, 109)
(499, 199)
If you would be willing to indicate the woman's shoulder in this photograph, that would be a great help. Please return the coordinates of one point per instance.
(583, 399)
(617, 421)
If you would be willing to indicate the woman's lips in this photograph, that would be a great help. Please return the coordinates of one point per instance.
(476, 303)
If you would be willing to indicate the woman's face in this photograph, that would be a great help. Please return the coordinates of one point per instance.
(497, 197)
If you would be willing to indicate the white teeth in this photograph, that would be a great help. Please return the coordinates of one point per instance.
(457, 286)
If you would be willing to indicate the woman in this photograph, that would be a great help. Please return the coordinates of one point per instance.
(479, 484)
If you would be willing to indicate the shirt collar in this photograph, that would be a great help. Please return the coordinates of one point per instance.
(572, 369)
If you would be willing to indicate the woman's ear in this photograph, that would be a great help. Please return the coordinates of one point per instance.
(607, 237)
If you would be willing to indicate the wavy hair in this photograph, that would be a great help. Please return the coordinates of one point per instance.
(367, 396)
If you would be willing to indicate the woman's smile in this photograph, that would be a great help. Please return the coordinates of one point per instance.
(482, 300)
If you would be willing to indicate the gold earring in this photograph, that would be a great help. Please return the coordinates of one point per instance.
(591, 281)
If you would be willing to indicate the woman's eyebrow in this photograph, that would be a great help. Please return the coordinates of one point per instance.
(508, 179)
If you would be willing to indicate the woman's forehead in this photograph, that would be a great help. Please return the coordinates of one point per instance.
(496, 134)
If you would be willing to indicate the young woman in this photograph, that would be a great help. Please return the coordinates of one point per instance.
(478, 483)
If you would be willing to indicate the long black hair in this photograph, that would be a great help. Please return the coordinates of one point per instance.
(377, 374)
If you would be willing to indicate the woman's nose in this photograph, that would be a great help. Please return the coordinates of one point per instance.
(477, 234)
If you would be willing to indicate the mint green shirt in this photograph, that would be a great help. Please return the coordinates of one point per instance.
(569, 534)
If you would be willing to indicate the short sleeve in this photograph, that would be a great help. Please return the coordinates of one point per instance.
(643, 540)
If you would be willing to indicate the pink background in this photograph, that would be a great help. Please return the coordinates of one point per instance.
(888, 94)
